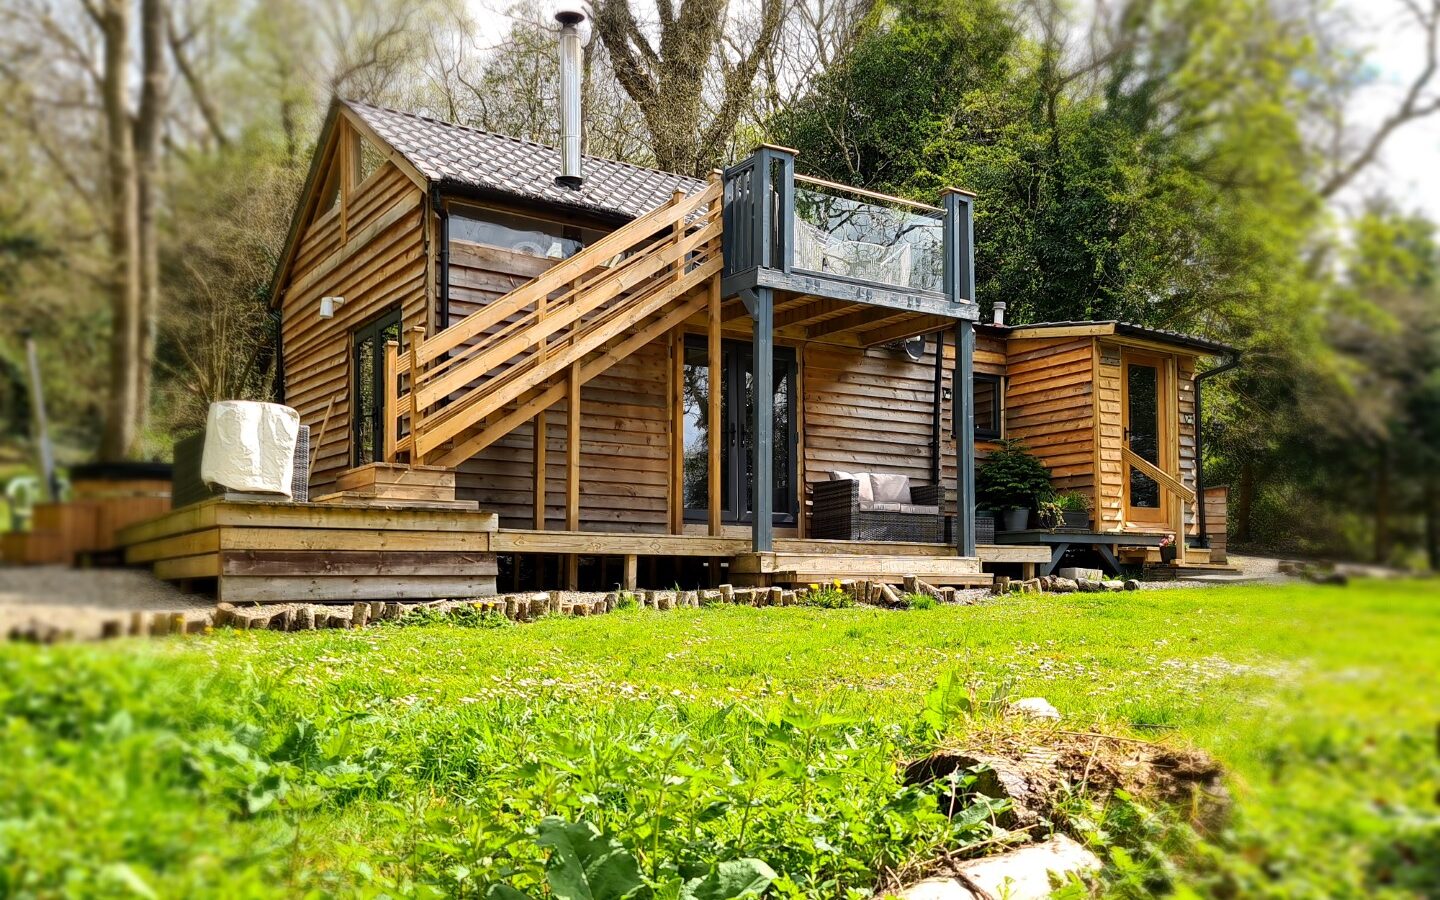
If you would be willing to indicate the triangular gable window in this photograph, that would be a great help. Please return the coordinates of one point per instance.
(369, 162)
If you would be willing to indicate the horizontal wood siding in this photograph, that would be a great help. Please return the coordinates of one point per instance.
(871, 410)
(1185, 388)
(1217, 522)
(623, 424)
(1049, 406)
(375, 271)
(623, 453)
(1110, 499)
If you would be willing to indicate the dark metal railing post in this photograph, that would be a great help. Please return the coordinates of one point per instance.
(762, 428)
(759, 211)
(960, 288)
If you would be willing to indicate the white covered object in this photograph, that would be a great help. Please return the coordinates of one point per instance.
(250, 446)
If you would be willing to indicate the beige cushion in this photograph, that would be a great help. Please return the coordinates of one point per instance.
(861, 478)
(890, 488)
(879, 506)
(916, 509)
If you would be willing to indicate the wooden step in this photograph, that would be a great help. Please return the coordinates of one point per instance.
(377, 474)
(797, 568)
(370, 499)
(978, 579)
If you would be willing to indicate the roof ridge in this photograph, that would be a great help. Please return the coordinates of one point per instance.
(518, 140)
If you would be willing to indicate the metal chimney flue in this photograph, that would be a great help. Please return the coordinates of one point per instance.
(570, 176)
(998, 308)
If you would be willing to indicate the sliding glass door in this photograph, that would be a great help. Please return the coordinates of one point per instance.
(737, 451)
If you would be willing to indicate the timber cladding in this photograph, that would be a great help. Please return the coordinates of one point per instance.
(288, 552)
(1050, 406)
(624, 423)
(872, 410)
(370, 248)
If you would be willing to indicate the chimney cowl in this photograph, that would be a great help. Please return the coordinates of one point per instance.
(570, 18)
(998, 309)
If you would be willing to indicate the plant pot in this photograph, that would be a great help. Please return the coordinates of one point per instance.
(1016, 519)
(1075, 518)
(1169, 554)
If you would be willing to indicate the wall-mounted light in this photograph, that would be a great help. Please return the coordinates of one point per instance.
(913, 347)
(328, 305)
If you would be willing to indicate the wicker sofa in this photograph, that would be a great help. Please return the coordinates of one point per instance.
(866, 506)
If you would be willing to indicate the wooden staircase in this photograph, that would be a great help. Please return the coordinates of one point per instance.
(458, 391)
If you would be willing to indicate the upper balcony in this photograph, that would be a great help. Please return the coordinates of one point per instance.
(818, 240)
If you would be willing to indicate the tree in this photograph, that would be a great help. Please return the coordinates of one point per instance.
(691, 85)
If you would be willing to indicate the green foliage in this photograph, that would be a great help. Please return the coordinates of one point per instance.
(463, 616)
(919, 601)
(425, 761)
(1072, 501)
(1011, 478)
(626, 600)
(828, 597)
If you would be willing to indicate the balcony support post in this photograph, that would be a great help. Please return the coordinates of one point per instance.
(960, 288)
(762, 425)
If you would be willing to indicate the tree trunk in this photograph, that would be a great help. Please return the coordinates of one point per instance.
(121, 408)
(1244, 502)
(149, 119)
(1382, 504)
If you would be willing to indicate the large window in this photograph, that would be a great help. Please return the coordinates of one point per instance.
(520, 234)
(736, 447)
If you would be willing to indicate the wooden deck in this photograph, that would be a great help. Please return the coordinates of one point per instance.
(259, 551)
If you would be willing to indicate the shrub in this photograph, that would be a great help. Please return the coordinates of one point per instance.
(919, 601)
(828, 597)
(626, 600)
(1011, 478)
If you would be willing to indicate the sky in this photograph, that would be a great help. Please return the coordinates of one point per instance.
(1408, 169)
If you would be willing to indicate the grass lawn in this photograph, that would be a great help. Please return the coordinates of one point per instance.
(423, 760)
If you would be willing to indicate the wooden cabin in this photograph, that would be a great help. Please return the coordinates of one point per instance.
(462, 333)
(1111, 409)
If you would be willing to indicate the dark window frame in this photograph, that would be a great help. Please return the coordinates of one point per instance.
(372, 330)
(997, 387)
(581, 235)
(788, 360)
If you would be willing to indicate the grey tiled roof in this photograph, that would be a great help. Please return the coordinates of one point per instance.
(467, 157)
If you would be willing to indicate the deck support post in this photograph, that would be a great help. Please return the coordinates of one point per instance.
(715, 427)
(762, 438)
(417, 337)
(960, 287)
(572, 471)
(389, 405)
(631, 564)
(964, 394)
(540, 441)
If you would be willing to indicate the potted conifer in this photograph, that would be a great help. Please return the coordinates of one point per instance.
(1012, 482)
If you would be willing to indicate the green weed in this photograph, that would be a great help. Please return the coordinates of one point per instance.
(919, 601)
(828, 597)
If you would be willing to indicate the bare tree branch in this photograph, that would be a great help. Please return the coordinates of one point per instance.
(1415, 104)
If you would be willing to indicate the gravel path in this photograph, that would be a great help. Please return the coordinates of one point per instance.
(79, 600)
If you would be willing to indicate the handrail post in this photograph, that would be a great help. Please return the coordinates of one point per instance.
(959, 285)
(775, 193)
(417, 336)
(391, 401)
